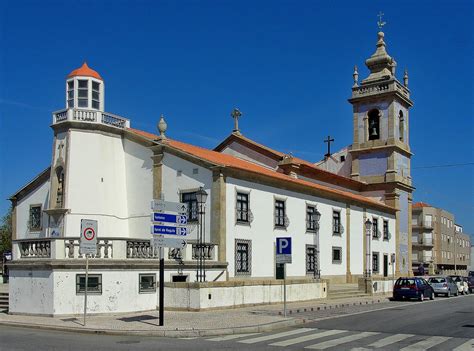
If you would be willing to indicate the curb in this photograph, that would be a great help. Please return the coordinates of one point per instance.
(172, 333)
(329, 307)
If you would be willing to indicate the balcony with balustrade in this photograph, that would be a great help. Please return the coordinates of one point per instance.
(423, 241)
(90, 116)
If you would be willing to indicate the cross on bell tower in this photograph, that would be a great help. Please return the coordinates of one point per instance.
(328, 140)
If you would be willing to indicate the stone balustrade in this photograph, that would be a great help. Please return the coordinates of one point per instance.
(378, 88)
(104, 249)
(35, 248)
(90, 116)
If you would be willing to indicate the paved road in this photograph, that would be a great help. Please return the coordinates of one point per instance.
(445, 324)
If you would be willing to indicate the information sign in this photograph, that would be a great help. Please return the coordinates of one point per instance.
(162, 229)
(88, 238)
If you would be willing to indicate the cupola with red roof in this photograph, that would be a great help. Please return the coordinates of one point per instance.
(85, 89)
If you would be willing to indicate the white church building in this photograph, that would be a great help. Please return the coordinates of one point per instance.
(349, 216)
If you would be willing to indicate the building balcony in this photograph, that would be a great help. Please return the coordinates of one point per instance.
(423, 226)
(423, 242)
(90, 116)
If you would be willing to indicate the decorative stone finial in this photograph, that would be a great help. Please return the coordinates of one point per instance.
(236, 114)
(162, 126)
(355, 75)
(405, 78)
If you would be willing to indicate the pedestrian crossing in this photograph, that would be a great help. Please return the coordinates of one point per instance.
(334, 339)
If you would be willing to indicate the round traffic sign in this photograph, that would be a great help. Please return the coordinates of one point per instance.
(89, 233)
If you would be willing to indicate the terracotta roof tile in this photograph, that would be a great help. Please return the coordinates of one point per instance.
(86, 71)
(233, 162)
(421, 204)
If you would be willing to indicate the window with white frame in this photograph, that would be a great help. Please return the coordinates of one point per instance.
(375, 262)
(243, 257)
(242, 208)
(375, 228)
(336, 254)
(94, 283)
(82, 93)
(190, 199)
(280, 213)
(336, 223)
(311, 257)
(70, 94)
(311, 223)
(95, 95)
(386, 234)
(35, 217)
(147, 283)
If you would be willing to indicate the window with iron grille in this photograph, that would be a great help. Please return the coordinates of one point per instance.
(311, 224)
(336, 254)
(242, 207)
(375, 228)
(336, 223)
(35, 217)
(94, 283)
(385, 231)
(191, 200)
(147, 283)
(279, 213)
(243, 256)
(375, 262)
(311, 264)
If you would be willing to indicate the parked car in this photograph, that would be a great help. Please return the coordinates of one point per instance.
(443, 285)
(412, 288)
(470, 283)
(461, 284)
(466, 284)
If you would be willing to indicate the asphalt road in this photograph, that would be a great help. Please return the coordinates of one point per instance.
(445, 324)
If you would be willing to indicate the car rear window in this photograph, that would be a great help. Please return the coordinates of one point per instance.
(437, 280)
(405, 282)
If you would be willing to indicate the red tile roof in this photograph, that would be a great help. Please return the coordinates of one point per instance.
(86, 71)
(235, 163)
(421, 204)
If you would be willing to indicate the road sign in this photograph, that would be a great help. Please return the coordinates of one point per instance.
(162, 229)
(283, 250)
(170, 219)
(168, 206)
(88, 238)
(162, 241)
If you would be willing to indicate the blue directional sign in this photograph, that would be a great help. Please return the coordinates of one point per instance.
(162, 229)
(170, 218)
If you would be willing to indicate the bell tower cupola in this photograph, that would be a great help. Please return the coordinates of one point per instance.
(85, 89)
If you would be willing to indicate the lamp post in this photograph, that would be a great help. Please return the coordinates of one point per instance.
(317, 272)
(368, 233)
(201, 197)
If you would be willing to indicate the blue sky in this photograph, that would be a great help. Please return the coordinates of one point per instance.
(287, 65)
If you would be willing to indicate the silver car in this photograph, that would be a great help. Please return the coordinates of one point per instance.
(443, 285)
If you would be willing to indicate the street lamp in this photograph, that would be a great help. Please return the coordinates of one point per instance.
(368, 233)
(201, 197)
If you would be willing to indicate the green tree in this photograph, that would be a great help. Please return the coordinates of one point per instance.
(6, 232)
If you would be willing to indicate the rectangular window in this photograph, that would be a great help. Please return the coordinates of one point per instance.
(191, 200)
(147, 283)
(336, 223)
(35, 217)
(279, 213)
(375, 262)
(311, 224)
(242, 204)
(70, 94)
(310, 259)
(242, 257)
(83, 93)
(94, 283)
(336, 254)
(375, 228)
(95, 95)
(385, 230)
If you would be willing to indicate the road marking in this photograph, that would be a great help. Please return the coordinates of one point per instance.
(308, 337)
(426, 344)
(467, 346)
(231, 337)
(392, 339)
(331, 343)
(276, 336)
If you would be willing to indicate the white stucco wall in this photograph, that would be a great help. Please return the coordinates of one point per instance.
(31, 291)
(357, 240)
(39, 196)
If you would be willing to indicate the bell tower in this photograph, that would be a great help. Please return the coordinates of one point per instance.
(381, 150)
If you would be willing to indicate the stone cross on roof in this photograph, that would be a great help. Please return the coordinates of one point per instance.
(380, 23)
(236, 114)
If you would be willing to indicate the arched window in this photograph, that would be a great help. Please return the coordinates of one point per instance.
(60, 191)
(401, 126)
(374, 124)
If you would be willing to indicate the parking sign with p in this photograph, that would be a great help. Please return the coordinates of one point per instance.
(283, 250)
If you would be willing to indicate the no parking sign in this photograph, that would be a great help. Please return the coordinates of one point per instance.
(88, 240)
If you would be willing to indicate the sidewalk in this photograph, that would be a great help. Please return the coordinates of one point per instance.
(189, 324)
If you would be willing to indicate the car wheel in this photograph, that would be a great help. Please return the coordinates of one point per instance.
(422, 297)
(432, 296)
(448, 294)
(457, 293)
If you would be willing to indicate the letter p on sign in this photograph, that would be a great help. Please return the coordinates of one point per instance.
(283, 246)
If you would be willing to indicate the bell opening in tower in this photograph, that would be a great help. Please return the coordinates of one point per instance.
(374, 124)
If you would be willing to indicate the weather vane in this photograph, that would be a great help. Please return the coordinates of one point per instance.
(380, 23)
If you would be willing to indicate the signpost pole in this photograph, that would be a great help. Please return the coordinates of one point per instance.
(162, 285)
(85, 291)
(284, 290)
